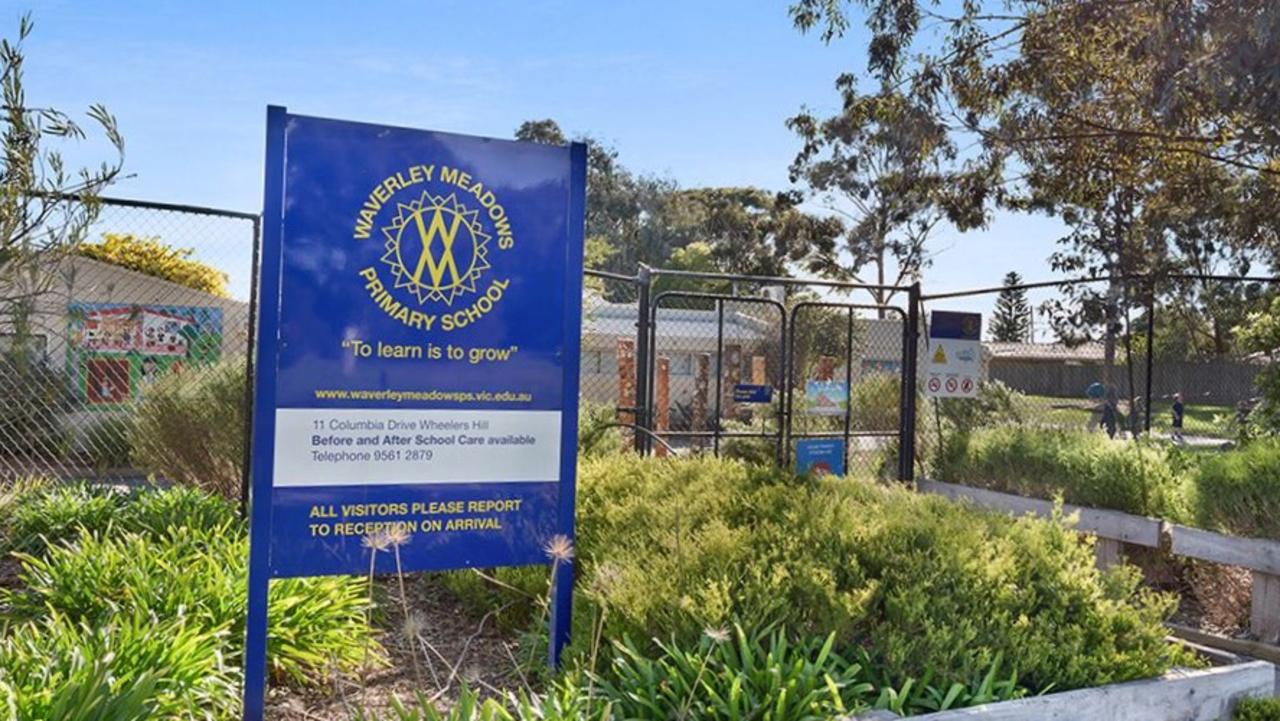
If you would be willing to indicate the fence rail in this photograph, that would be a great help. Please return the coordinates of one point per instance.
(1113, 528)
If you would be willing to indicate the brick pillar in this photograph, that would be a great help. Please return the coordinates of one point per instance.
(732, 376)
(701, 392)
(758, 375)
(627, 385)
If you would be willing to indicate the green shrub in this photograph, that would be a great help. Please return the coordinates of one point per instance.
(764, 675)
(49, 513)
(32, 397)
(91, 553)
(1238, 491)
(190, 428)
(314, 622)
(1086, 469)
(737, 678)
(932, 588)
(875, 401)
(996, 404)
(1258, 709)
(109, 442)
(597, 436)
(131, 667)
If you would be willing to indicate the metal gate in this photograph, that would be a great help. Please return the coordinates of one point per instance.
(691, 386)
(697, 344)
(867, 361)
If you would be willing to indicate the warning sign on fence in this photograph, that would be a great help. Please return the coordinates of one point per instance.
(953, 365)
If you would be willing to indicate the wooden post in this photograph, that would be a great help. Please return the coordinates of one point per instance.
(1264, 614)
(732, 377)
(701, 389)
(662, 403)
(627, 385)
(758, 376)
(1106, 552)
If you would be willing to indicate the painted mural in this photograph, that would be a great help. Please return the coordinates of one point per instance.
(115, 350)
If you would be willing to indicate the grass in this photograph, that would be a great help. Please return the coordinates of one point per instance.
(1209, 421)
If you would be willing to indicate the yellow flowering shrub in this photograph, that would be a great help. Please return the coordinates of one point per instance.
(155, 258)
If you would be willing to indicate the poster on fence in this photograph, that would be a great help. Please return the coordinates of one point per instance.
(420, 306)
(826, 398)
(953, 364)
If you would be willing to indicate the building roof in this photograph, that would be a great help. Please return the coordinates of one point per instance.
(612, 319)
(1083, 353)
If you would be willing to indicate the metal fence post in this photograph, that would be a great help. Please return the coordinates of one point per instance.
(907, 414)
(249, 361)
(1151, 335)
(644, 280)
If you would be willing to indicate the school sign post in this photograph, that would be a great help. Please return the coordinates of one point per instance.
(419, 300)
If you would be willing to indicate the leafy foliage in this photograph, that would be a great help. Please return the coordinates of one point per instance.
(1147, 127)
(131, 667)
(633, 218)
(597, 434)
(1260, 334)
(39, 224)
(49, 513)
(735, 679)
(190, 428)
(930, 588)
(32, 397)
(138, 599)
(1083, 468)
(154, 258)
(1258, 709)
(1239, 492)
(996, 404)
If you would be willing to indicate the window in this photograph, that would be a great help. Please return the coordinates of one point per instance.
(599, 362)
(681, 364)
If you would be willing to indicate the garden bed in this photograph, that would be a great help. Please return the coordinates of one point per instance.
(696, 577)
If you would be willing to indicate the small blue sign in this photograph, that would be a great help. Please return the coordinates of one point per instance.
(420, 307)
(751, 393)
(958, 326)
(820, 456)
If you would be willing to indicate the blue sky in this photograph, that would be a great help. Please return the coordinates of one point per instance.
(698, 91)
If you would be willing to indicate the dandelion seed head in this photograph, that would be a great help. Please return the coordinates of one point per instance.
(716, 635)
(399, 535)
(414, 625)
(559, 548)
(377, 541)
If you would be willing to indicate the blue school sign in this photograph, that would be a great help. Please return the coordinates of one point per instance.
(417, 352)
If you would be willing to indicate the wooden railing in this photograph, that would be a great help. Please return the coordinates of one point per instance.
(1115, 528)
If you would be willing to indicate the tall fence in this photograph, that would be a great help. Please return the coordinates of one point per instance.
(79, 353)
(672, 362)
(1126, 356)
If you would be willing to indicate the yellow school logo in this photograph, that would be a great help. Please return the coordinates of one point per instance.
(436, 248)
(440, 230)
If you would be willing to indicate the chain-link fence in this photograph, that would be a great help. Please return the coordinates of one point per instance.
(123, 314)
(1133, 357)
(93, 368)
